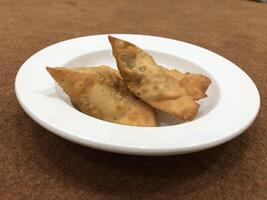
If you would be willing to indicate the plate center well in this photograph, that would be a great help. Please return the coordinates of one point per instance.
(105, 57)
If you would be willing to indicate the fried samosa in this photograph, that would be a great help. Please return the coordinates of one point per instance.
(167, 90)
(101, 93)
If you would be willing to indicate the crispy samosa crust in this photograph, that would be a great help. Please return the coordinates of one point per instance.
(101, 93)
(167, 90)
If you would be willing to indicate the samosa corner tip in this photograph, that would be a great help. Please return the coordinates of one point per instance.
(111, 39)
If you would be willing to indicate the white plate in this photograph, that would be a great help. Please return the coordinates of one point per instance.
(232, 104)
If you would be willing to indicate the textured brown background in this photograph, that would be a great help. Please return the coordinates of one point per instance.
(35, 164)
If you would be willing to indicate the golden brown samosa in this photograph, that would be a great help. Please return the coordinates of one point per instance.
(101, 93)
(167, 90)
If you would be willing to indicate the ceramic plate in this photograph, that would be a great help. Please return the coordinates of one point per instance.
(230, 108)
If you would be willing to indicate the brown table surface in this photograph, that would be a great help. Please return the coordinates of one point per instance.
(35, 164)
